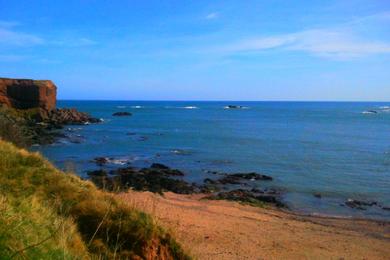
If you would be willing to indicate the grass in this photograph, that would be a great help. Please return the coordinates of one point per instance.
(49, 214)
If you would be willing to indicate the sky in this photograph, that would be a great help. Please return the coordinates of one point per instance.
(333, 50)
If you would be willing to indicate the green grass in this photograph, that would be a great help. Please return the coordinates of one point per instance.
(49, 214)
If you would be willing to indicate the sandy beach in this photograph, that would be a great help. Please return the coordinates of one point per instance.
(229, 230)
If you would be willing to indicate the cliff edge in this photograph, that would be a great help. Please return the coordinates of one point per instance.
(28, 93)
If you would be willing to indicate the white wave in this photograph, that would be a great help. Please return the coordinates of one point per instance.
(190, 107)
(385, 107)
(369, 112)
(137, 107)
(118, 161)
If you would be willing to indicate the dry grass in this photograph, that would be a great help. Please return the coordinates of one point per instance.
(52, 215)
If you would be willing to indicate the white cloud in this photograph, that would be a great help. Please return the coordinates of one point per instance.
(212, 16)
(85, 42)
(340, 44)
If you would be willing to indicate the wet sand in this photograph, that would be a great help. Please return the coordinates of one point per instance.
(229, 230)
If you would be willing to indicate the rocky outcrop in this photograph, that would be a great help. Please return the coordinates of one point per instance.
(67, 116)
(27, 93)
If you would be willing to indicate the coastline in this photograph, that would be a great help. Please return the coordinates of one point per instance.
(230, 230)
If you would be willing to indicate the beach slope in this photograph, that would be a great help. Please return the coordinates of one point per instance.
(228, 230)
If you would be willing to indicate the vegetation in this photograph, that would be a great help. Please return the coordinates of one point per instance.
(49, 214)
(14, 127)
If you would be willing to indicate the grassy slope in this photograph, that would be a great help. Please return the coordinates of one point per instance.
(48, 214)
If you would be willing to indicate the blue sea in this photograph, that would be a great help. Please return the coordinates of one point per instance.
(337, 149)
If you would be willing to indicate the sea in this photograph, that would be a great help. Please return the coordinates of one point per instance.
(340, 150)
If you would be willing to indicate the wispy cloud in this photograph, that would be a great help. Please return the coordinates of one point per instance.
(212, 16)
(329, 43)
(16, 38)
(8, 24)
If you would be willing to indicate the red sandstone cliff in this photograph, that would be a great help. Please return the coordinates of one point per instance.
(27, 93)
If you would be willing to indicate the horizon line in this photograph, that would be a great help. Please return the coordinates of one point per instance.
(194, 100)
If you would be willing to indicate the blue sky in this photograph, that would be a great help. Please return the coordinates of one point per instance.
(201, 50)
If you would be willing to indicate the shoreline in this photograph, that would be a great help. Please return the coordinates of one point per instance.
(231, 230)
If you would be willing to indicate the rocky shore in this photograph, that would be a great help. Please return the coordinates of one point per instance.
(159, 178)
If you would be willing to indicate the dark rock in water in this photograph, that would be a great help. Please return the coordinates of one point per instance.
(122, 114)
(252, 176)
(101, 160)
(163, 171)
(237, 178)
(385, 208)
(317, 195)
(359, 204)
(233, 107)
(159, 166)
(147, 179)
(253, 198)
(143, 138)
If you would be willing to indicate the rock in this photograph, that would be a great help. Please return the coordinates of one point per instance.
(253, 198)
(68, 116)
(359, 204)
(101, 160)
(161, 171)
(143, 138)
(27, 93)
(317, 195)
(237, 178)
(159, 166)
(146, 179)
(233, 107)
(122, 114)
(385, 208)
(252, 176)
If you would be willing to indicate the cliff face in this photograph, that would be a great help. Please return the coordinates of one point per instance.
(27, 93)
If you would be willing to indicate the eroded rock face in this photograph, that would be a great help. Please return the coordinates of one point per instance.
(27, 93)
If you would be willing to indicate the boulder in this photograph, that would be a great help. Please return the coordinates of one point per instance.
(27, 93)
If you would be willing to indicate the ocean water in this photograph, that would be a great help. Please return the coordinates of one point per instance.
(337, 149)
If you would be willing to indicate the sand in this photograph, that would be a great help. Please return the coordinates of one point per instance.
(229, 230)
